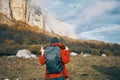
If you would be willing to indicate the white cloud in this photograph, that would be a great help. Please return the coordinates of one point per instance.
(53, 5)
(84, 12)
(36, 2)
(57, 3)
(52, 24)
(84, 15)
(60, 27)
(98, 33)
(96, 9)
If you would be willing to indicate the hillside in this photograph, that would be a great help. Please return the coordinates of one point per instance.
(23, 25)
(25, 11)
(17, 35)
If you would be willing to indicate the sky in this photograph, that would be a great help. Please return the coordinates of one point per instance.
(91, 19)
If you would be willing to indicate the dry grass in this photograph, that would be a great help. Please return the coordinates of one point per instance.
(24, 69)
(80, 68)
(94, 68)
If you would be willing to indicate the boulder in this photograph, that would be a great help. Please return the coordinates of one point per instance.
(25, 54)
(103, 55)
(73, 54)
(86, 55)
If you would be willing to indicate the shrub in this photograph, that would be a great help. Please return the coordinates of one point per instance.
(3, 26)
(35, 49)
(108, 52)
(9, 41)
(94, 51)
(20, 28)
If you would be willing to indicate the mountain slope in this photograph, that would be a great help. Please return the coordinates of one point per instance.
(17, 35)
(23, 10)
(27, 27)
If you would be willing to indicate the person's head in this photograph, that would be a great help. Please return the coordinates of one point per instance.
(54, 40)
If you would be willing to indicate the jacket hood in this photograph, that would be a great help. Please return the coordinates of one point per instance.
(58, 44)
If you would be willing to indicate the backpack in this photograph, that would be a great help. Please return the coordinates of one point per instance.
(53, 60)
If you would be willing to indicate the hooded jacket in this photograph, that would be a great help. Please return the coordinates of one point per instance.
(65, 54)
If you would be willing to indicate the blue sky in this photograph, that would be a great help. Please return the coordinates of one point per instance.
(92, 19)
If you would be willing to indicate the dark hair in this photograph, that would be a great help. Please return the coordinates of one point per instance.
(54, 40)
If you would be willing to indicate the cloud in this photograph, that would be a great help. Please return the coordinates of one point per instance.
(36, 2)
(97, 19)
(98, 33)
(52, 23)
(80, 12)
(92, 19)
(60, 27)
(96, 9)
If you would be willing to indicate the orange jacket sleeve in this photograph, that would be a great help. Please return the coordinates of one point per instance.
(65, 56)
(42, 60)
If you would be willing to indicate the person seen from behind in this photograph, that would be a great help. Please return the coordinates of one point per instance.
(55, 56)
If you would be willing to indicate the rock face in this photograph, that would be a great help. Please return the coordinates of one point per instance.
(24, 10)
(4, 7)
(18, 9)
(34, 16)
(73, 54)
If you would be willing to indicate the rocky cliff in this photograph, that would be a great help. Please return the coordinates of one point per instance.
(23, 10)
(5, 8)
